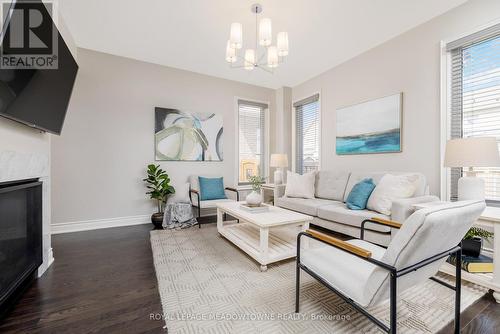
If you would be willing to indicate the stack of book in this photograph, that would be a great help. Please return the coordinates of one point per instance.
(471, 264)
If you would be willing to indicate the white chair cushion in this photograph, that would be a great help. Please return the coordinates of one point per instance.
(331, 185)
(211, 203)
(308, 206)
(345, 272)
(389, 188)
(301, 186)
(341, 214)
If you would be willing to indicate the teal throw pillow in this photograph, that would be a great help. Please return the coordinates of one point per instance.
(358, 197)
(211, 188)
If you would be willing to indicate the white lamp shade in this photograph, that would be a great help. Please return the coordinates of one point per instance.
(236, 35)
(265, 32)
(472, 152)
(282, 44)
(272, 56)
(279, 160)
(230, 53)
(249, 59)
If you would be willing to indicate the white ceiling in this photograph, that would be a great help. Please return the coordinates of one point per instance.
(192, 34)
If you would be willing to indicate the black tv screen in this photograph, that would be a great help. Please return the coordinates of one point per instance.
(35, 96)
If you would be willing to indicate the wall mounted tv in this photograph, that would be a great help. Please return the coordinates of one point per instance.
(36, 96)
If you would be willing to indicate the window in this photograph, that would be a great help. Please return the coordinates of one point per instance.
(251, 125)
(307, 134)
(475, 99)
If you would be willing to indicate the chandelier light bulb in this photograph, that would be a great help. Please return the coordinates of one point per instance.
(236, 35)
(265, 32)
(249, 59)
(282, 44)
(272, 56)
(230, 53)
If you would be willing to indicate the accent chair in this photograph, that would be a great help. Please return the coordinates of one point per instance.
(365, 274)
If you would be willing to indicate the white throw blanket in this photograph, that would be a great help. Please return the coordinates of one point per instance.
(178, 216)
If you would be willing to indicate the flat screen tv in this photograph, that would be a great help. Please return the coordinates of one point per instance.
(38, 97)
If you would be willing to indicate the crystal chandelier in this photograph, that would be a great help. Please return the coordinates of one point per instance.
(264, 55)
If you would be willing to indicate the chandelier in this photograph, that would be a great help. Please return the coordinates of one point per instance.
(264, 55)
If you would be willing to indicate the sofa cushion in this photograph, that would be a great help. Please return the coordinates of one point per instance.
(359, 194)
(390, 188)
(308, 206)
(300, 186)
(331, 184)
(341, 214)
(355, 177)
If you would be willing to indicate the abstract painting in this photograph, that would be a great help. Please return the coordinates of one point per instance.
(370, 127)
(185, 136)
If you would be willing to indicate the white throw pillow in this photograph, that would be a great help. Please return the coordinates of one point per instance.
(181, 195)
(301, 186)
(389, 188)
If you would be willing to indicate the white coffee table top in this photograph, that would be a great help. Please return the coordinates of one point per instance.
(274, 217)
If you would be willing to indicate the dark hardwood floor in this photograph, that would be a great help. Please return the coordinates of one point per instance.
(103, 281)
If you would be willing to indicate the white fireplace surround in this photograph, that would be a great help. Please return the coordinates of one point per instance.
(15, 166)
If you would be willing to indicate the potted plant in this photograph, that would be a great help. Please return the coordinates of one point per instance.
(473, 241)
(255, 197)
(158, 184)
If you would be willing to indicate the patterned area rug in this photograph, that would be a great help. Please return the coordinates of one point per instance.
(207, 285)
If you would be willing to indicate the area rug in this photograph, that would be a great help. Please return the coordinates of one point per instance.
(207, 285)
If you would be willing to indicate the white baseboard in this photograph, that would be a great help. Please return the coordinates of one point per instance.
(87, 225)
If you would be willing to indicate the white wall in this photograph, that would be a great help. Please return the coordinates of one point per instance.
(108, 138)
(409, 63)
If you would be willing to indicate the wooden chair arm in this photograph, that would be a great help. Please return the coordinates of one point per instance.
(194, 191)
(231, 189)
(340, 244)
(387, 222)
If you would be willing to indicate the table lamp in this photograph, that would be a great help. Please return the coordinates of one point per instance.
(279, 161)
(471, 152)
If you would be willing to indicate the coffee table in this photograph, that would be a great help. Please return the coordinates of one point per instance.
(267, 237)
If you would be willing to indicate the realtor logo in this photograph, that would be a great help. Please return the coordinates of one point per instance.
(29, 38)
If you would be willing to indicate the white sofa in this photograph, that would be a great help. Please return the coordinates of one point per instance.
(329, 210)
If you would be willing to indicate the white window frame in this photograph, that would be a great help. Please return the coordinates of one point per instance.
(265, 154)
(445, 106)
(294, 132)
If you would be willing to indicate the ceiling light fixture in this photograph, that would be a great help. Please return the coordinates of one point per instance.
(264, 55)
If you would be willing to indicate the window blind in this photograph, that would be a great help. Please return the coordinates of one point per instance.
(475, 101)
(251, 141)
(307, 131)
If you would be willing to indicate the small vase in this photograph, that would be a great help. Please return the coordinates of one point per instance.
(254, 198)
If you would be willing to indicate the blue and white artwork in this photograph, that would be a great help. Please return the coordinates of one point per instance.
(370, 127)
(187, 136)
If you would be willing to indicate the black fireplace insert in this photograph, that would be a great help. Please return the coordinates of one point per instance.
(20, 238)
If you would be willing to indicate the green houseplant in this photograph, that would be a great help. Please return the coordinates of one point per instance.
(473, 241)
(255, 197)
(159, 188)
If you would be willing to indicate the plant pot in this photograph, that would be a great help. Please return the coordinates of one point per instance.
(472, 247)
(157, 220)
(254, 198)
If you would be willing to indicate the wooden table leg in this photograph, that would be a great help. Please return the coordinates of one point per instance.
(264, 247)
(220, 219)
